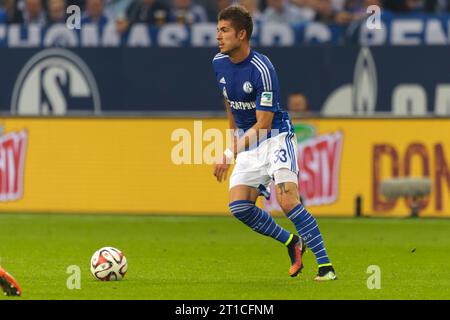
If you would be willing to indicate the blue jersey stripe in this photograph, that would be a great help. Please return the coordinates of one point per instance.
(289, 149)
(264, 71)
(221, 57)
(267, 70)
(263, 77)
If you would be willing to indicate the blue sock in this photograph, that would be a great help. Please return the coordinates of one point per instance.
(259, 220)
(308, 229)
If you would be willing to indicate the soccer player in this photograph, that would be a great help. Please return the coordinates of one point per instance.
(249, 84)
(9, 285)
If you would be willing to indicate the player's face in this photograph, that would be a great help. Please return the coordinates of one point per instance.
(227, 37)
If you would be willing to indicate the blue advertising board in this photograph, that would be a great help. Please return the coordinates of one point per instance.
(336, 80)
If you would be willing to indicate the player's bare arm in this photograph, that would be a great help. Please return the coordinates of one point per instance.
(230, 117)
(261, 127)
(223, 165)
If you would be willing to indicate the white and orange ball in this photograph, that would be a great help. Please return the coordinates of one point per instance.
(108, 264)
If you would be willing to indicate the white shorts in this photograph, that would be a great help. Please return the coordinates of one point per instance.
(257, 166)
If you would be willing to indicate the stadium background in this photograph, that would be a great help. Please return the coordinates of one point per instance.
(88, 116)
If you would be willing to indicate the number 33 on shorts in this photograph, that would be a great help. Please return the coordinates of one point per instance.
(280, 155)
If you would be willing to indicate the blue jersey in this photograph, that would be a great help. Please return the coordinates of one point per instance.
(248, 86)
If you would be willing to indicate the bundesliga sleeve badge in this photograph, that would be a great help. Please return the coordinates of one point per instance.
(266, 99)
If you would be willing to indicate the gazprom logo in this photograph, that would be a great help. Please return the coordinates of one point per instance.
(55, 81)
(365, 85)
(359, 97)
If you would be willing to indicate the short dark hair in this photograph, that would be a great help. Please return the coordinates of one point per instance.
(240, 18)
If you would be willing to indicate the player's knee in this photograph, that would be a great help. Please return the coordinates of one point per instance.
(287, 204)
(241, 208)
(285, 175)
(287, 193)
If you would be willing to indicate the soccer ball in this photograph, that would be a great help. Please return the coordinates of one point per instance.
(108, 263)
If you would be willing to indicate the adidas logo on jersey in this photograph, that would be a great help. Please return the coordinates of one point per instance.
(223, 80)
(225, 93)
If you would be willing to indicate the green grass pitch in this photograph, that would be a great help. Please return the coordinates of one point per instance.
(190, 257)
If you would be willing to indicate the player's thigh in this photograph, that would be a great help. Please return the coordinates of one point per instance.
(282, 153)
(283, 167)
(243, 192)
(244, 185)
(248, 174)
(286, 188)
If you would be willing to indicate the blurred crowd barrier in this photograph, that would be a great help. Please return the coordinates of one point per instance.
(392, 29)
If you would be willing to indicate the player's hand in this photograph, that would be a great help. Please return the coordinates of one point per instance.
(122, 25)
(221, 169)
